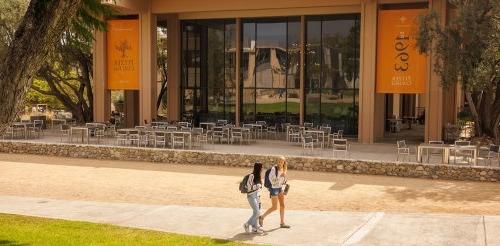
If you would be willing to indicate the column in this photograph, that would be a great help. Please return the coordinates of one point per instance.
(302, 92)
(130, 109)
(148, 85)
(238, 71)
(174, 67)
(102, 96)
(367, 96)
(396, 105)
(434, 94)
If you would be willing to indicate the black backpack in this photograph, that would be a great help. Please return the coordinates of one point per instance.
(243, 184)
(267, 181)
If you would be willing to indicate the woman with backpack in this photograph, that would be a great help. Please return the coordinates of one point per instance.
(253, 186)
(275, 182)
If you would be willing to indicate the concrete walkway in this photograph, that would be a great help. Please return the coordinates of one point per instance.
(308, 227)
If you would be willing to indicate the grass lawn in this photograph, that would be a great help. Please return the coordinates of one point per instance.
(24, 230)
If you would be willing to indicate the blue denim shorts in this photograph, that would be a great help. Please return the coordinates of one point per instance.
(274, 191)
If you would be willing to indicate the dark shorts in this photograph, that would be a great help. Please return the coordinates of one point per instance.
(274, 191)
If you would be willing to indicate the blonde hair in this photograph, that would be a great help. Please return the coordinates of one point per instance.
(282, 159)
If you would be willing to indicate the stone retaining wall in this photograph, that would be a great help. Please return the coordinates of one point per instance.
(415, 170)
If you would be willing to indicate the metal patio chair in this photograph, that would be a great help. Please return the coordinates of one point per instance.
(466, 154)
(434, 152)
(493, 154)
(402, 150)
(236, 134)
(340, 146)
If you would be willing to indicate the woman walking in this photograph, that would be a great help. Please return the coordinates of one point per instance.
(277, 177)
(254, 184)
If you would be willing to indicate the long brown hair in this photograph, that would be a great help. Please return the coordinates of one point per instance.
(257, 170)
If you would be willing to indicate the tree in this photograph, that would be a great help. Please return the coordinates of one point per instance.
(68, 75)
(467, 51)
(36, 37)
(162, 58)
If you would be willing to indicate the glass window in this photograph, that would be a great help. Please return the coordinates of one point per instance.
(293, 61)
(270, 104)
(248, 107)
(248, 55)
(271, 55)
(332, 68)
(270, 65)
(313, 54)
(230, 56)
(208, 61)
(293, 106)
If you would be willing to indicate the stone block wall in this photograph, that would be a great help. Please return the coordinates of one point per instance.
(315, 164)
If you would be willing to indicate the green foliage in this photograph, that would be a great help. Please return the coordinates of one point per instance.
(11, 12)
(34, 97)
(468, 47)
(65, 80)
(24, 230)
(464, 115)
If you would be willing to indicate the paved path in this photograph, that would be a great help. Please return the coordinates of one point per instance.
(308, 227)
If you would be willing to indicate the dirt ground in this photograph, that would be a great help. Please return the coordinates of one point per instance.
(149, 183)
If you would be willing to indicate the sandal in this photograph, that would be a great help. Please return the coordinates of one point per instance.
(284, 226)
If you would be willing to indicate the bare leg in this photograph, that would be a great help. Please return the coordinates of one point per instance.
(274, 202)
(281, 198)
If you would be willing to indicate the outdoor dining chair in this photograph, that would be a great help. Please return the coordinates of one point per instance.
(160, 139)
(178, 139)
(9, 132)
(40, 125)
(307, 144)
(219, 133)
(199, 136)
(295, 134)
(493, 154)
(34, 130)
(184, 124)
(221, 122)
(434, 152)
(99, 134)
(134, 138)
(272, 130)
(340, 146)
(308, 125)
(466, 154)
(121, 137)
(146, 138)
(337, 135)
(402, 150)
(327, 130)
(236, 134)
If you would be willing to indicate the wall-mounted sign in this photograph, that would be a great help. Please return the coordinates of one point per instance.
(400, 66)
(123, 54)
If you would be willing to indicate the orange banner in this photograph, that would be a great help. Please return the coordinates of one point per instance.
(400, 67)
(123, 54)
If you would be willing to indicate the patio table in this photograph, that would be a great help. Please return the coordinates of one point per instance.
(288, 129)
(61, 122)
(444, 147)
(318, 132)
(84, 129)
(207, 125)
(446, 151)
(257, 129)
(24, 125)
(185, 133)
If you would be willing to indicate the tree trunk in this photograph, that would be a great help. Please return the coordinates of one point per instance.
(474, 111)
(35, 38)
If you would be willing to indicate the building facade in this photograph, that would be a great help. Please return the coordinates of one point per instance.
(278, 61)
